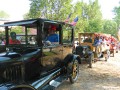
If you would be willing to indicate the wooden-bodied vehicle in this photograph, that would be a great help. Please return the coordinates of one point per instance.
(34, 63)
(99, 51)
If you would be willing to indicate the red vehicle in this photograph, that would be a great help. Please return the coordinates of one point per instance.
(113, 45)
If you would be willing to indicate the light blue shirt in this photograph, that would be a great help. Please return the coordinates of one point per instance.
(53, 38)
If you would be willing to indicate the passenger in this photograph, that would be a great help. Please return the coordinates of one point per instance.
(3, 41)
(97, 43)
(88, 40)
(100, 43)
(12, 39)
(32, 40)
(53, 36)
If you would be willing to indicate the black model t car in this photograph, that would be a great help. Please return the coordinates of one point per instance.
(34, 63)
(85, 54)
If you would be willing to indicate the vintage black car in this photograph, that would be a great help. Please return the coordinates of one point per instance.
(85, 54)
(34, 63)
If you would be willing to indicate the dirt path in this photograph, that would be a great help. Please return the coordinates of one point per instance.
(103, 76)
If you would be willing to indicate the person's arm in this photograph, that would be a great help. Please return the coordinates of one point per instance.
(18, 42)
(57, 38)
(11, 41)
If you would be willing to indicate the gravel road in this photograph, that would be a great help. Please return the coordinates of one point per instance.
(103, 76)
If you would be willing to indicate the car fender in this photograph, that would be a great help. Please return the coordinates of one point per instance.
(70, 58)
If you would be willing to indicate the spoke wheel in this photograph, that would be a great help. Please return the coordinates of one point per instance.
(75, 72)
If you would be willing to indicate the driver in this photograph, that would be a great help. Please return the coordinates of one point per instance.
(53, 36)
(12, 39)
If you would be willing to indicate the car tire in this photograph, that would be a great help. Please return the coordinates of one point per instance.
(75, 71)
(116, 51)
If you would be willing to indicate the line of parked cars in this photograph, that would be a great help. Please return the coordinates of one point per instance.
(37, 64)
(102, 45)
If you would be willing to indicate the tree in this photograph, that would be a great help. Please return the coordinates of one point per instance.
(26, 16)
(110, 27)
(90, 16)
(50, 9)
(94, 17)
(77, 11)
(3, 15)
(17, 29)
(116, 10)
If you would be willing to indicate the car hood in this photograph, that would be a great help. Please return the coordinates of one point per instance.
(9, 57)
(40, 83)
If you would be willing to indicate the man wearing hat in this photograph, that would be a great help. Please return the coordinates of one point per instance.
(53, 36)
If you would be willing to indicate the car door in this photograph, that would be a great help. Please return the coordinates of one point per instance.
(51, 53)
(51, 56)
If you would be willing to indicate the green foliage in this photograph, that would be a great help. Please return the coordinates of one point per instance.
(50, 9)
(116, 10)
(2, 34)
(94, 10)
(110, 27)
(77, 11)
(90, 16)
(26, 16)
(3, 15)
(94, 26)
(94, 17)
(17, 29)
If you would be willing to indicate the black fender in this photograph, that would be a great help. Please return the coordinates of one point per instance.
(70, 58)
(23, 87)
(72, 67)
(77, 57)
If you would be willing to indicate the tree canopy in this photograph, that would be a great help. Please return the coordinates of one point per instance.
(89, 14)
(110, 27)
(3, 15)
(116, 11)
(50, 9)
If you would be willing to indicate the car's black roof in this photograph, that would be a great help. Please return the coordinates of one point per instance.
(30, 22)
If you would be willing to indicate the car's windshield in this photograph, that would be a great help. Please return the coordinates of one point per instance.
(85, 38)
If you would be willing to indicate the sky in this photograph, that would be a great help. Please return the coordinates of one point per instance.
(107, 7)
(17, 8)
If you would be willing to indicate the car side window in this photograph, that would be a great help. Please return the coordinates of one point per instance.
(67, 36)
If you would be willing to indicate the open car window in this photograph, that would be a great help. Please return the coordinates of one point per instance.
(50, 35)
(21, 37)
(67, 35)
